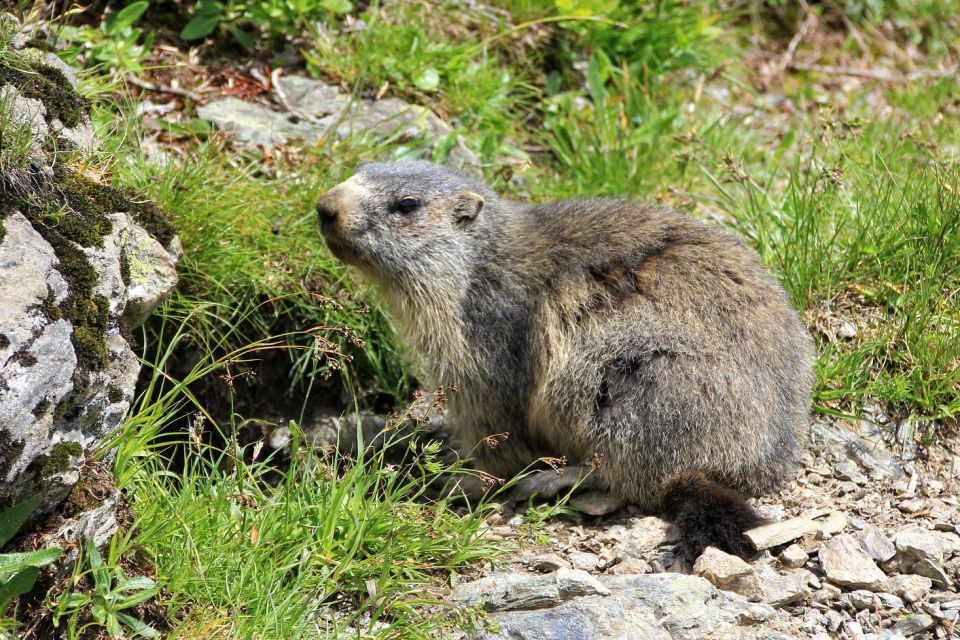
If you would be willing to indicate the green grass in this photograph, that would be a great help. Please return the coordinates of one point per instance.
(335, 543)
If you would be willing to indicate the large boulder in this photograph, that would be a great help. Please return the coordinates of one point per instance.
(81, 265)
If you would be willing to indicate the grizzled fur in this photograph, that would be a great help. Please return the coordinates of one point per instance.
(600, 327)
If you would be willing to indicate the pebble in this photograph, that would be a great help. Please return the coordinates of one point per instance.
(548, 562)
(877, 545)
(845, 563)
(583, 560)
(728, 572)
(910, 587)
(913, 625)
(794, 557)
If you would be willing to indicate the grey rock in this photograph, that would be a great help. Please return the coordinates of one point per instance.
(786, 589)
(584, 560)
(877, 462)
(845, 563)
(53, 410)
(256, 125)
(915, 543)
(846, 469)
(572, 583)
(890, 601)
(152, 273)
(834, 523)
(912, 625)
(525, 591)
(862, 599)
(643, 536)
(728, 572)
(877, 545)
(323, 112)
(933, 571)
(596, 503)
(794, 557)
(509, 591)
(590, 618)
(912, 588)
(777, 533)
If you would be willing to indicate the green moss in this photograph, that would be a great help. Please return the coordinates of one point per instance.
(41, 409)
(115, 394)
(59, 458)
(48, 85)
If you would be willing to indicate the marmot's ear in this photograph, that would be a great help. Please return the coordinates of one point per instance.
(467, 206)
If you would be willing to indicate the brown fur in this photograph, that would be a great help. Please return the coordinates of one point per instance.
(587, 328)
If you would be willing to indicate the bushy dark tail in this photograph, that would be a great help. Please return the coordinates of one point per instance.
(708, 514)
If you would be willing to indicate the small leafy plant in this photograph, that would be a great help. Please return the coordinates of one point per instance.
(116, 44)
(113, 593)
(18, 571)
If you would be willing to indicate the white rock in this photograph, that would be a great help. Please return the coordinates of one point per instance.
(877, 545)
(910, 587)
(845, 563)
(794, 557)
(728, 572)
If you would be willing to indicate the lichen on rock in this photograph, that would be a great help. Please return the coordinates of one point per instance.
(81, 262)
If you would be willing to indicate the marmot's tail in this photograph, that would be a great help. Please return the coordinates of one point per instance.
(708, 513)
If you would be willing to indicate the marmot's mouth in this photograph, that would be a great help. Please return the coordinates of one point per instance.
(342, 251)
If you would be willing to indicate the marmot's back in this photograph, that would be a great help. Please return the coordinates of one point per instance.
(590, 329)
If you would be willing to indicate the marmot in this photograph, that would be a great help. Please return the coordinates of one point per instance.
(590, 328)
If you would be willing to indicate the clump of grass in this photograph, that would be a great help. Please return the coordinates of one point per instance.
(335, 545)
(871, 217)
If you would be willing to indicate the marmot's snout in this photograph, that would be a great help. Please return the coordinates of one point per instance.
(332, 217)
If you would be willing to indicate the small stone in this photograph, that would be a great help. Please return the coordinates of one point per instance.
(643, 536)
(890, 601)
(828, 593)
(934, 572)
(509, 591)
(847, 330)
(584, 560)
(794, 557)
(915, 543)
(846, 564)
(596, 503)
(862, 599)
(573, 583)
(834, 523)
(548, 562)
(728, 572)
(914, 624)
(910, 587)
(848, 470)
(777, 533)
(877, 545)
(914, 505)
(630, 566)
(788, 589)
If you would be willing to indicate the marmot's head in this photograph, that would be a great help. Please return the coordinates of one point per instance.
(403, 220)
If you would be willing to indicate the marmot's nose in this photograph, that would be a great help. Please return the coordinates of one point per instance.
(325, 212)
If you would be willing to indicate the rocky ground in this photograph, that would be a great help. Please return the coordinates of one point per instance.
(864, 544)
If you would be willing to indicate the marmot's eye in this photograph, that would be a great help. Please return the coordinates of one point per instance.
(406, 205)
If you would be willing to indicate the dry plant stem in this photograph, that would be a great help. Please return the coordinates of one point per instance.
(149, 86)
(872, 74)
